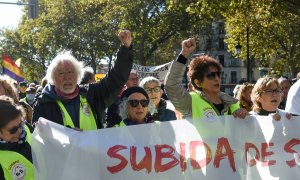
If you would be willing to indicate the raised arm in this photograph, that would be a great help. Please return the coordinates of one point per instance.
(176, 92)
(110, 86)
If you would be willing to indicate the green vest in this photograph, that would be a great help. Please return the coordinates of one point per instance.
(29, 135)
(86, 117)
(15, 165)
(23, 100)
(121, 124)
(202, 108)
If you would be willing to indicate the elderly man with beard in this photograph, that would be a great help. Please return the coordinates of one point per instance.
(64, 102)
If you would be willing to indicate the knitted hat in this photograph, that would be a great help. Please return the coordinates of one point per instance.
(132, 90)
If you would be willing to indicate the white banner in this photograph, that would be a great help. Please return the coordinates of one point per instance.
(220, 148)
(158, 72)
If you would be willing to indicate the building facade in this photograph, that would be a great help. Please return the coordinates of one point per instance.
(234, 69)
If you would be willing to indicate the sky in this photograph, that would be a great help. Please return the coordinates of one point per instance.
(10, 14)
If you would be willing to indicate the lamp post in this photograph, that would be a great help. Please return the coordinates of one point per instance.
(32, 7)
(238, 48)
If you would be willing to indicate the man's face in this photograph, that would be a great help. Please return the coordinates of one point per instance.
(285, 86)
(65, 78)
(132, 80)
(23, 89)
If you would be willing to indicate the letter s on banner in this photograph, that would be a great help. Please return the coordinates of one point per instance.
(112, 152)
(288, 148)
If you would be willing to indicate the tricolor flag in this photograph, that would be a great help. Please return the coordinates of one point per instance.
(18, 62)
(11, 69)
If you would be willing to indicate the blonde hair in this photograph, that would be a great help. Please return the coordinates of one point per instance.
(259, 87)
(9, 88)
(243, 88)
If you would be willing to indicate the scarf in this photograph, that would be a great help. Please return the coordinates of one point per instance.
(22, 138)
(67, 96)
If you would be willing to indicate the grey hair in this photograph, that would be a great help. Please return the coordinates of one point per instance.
(64, 56)
(123, 109)
(281, 79)
(149, 79)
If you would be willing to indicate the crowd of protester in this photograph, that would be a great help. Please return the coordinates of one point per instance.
(70, 96)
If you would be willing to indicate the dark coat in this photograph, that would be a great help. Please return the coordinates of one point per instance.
(112, 115)
(99, 95)
(164, 114)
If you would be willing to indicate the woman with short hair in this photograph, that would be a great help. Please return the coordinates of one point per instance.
(153, 88)
(205, 74)
(266, 97)
(15, 140)
(134, 107)
(244, 96)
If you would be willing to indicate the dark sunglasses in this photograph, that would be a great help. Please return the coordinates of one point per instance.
(14, 129)
(153, 90)
(212, 75)
(135, 103)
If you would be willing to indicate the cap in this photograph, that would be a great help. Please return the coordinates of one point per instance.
(23, 83)
(30, 90)
(32, 85)
(132, 90)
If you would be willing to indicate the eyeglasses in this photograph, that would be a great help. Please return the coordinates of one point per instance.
(212, 75)
(135, 103)
(63, 73)
(156, 89)
(14, 129)
(272, 91)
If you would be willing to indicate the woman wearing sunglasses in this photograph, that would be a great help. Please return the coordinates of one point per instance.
(134, 106)
(204, 72)
(153, 89)
(15, 139)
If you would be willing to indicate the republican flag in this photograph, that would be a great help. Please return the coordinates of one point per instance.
(11, 69)
(18, 62)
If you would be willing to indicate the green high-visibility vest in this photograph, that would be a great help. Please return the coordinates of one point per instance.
(29, 135)
(202, 108)
(121, 124)
(15, 165)
(86, 117)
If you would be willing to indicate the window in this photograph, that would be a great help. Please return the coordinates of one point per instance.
(208, 44)
(233, 77)
(221, 28)
(221, 44)
(223, 78)
(221, 59)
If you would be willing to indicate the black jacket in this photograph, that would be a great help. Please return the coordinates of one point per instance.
(99, 95)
